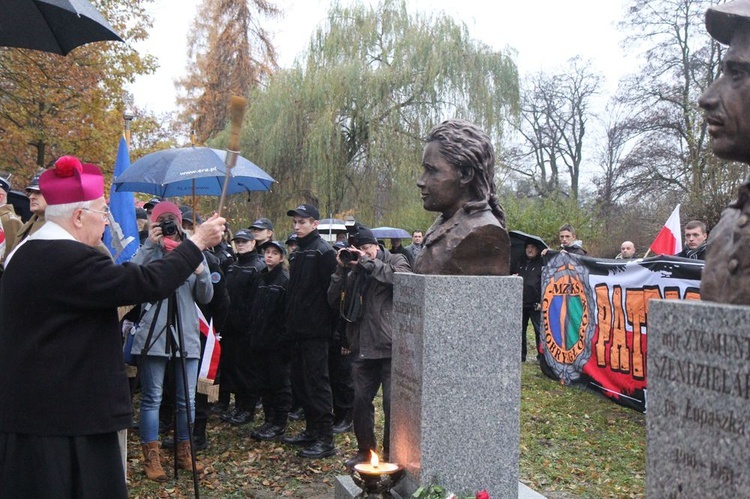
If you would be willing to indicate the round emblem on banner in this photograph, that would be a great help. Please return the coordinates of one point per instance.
(567, 317)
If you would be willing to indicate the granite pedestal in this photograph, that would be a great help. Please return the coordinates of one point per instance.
(456, 385)
(698, 412)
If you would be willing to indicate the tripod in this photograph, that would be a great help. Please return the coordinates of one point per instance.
(174, 344)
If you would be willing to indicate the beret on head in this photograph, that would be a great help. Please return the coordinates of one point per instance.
(71, 181)
(166, 207)
(723, 20)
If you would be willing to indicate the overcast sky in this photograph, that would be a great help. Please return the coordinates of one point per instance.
(545, 33)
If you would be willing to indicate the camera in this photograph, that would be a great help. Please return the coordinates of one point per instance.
(346, 256)
(168, 227)
(352, 238)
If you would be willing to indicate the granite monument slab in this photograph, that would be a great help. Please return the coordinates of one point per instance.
(455, 410)
(698, 400)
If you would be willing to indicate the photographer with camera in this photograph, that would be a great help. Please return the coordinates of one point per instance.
(362, 289)
(154, 344)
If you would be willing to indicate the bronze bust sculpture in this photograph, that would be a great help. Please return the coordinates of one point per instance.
(727, 108)
(469, 237)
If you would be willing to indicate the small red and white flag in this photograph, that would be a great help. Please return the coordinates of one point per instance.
(212, 351)
(2, 240)
(669, 239)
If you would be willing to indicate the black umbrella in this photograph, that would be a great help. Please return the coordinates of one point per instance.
(518, 241)
(56, 26)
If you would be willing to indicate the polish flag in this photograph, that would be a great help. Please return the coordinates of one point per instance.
(212, 351)
(2, 240)
(669, 239)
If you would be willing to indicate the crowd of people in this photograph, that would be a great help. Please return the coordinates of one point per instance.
(304, 334)
(303, 325)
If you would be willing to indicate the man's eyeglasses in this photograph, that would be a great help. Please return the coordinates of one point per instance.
(105, 212)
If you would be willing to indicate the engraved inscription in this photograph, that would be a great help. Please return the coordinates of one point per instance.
(670, 340)
(717, 343)
(714, 378)
(718, 472)
(722, 420)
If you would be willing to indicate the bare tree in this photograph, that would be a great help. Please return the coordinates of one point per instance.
(672, 150)
(555, 111)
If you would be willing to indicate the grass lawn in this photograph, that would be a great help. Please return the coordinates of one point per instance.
(576, 443)
(573, 443)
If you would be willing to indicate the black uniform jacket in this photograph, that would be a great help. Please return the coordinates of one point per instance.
(308, 315)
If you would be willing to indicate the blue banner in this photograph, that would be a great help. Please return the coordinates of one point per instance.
(122, 206)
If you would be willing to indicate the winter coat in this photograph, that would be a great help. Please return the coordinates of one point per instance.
(575, 248)
(218, 308)
(369, 336)
(65, 374)
(267, 315)
(531, 271)
(243, 278)
(197, 288)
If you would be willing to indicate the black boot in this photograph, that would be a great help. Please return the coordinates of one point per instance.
(297, 414)
(307, 437)
(242, 417)
(269, 432)
(362, 456)
(219, 408)
(228, 415)
(200, 442)
(323, 445)
(344, 424)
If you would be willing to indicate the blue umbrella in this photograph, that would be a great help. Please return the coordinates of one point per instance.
(390, 233)
(197, 171)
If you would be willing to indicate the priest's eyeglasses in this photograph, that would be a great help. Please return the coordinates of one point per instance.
(105, 212)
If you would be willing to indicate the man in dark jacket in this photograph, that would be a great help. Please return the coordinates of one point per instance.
(364, 277)
(397, 248)
(310, 323)
(62, 441)
(531, 271)
(568, 241)
(695, 241)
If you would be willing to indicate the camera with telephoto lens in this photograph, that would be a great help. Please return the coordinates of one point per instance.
(346, 256)
(168, 227)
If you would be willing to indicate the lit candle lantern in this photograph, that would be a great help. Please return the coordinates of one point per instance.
(376, 478)
(375, 467)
